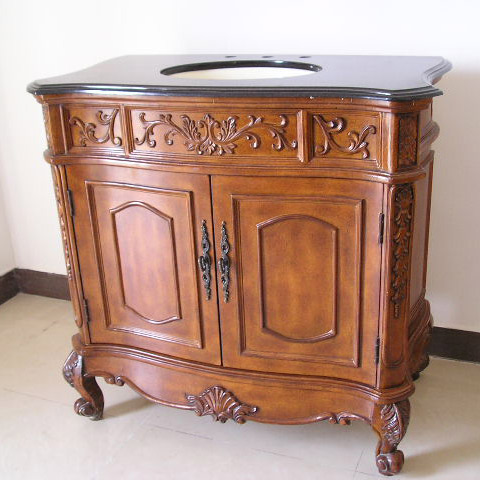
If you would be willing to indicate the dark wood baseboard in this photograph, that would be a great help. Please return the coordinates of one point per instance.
(8, 286)
(44, 284)
(446, 342)
(455, 344)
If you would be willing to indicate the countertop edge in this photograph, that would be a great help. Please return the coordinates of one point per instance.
(239, 92)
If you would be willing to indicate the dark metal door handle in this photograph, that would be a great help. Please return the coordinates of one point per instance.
(224, 263)
(204, 261)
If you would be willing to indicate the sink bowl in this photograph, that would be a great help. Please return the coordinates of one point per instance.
(241, 70)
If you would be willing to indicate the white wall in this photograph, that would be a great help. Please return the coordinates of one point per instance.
(7, 259)
(39, 39)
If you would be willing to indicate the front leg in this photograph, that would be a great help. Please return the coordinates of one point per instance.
(390, 422)
(90, 404)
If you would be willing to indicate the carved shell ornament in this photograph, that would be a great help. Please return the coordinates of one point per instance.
(209, 136)
(221, 404)
(358, 141)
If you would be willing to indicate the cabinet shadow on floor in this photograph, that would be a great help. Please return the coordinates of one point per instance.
(128, 406)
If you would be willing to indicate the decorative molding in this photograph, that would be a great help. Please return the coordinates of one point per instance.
(63, 227)
(204, 261)
(88, 130)
(403, 205)
(358, 143)
(407, 140)
(221, 404)
(212, 137)
(114, 380)
(342, 418)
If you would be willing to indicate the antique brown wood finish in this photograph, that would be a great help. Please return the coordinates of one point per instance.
(232, 256)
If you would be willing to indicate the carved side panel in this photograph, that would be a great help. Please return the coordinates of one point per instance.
(407, 140)
(403, 208)
(218, 134)
(221, 404)
(397, 307)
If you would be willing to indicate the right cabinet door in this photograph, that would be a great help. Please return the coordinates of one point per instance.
(304, 274)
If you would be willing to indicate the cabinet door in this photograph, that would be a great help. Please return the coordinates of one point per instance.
(139, 236)
(304, 274)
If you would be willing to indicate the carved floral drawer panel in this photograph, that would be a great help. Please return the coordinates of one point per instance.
(215, 133)
(275, 136)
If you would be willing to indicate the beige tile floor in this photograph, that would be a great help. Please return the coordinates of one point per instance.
(41, 437)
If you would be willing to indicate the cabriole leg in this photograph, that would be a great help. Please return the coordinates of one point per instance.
(90, 404)
(390, 422)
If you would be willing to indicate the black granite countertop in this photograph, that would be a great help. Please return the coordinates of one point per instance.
(398, 78)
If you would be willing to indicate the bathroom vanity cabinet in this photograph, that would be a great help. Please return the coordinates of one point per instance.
(250, 249)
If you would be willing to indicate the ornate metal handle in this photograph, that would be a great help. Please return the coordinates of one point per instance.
(204, 261)
(224, 263)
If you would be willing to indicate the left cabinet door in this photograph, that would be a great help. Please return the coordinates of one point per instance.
(139, 236)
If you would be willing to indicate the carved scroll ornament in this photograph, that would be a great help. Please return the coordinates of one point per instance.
(89, 130)
(221, 404)
(330, 128)
(402, 231)
(209, 136)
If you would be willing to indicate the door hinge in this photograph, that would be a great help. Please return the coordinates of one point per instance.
(71, 206)
(381, 227)
(86, 310)
(377, 351)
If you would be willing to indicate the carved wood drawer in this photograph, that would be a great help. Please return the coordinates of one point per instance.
(215, 133)
(272, 137)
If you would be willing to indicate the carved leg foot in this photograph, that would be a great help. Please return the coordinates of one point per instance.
(391, 422)
(91, 402)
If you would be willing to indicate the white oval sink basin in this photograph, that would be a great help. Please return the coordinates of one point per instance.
(242, 73)
(242, 70)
